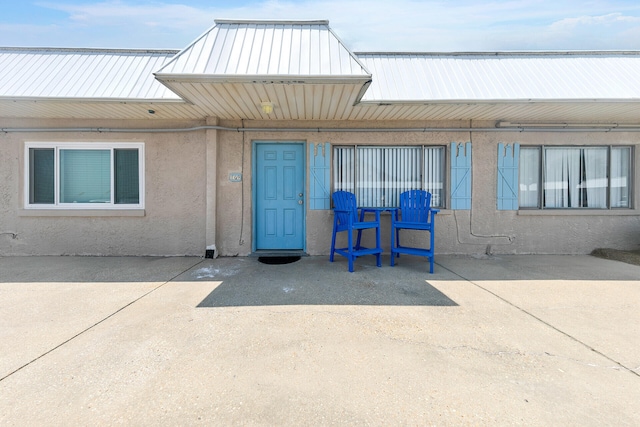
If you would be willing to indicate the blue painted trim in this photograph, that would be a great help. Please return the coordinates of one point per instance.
(461, 176)
(508, 176)
(320, 176)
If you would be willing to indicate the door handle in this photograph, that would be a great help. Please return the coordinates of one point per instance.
(299, 202)
(299, 194)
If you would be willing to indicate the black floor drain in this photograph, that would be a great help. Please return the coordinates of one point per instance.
(274, 260)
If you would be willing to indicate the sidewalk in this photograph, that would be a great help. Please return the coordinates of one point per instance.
(502, 340)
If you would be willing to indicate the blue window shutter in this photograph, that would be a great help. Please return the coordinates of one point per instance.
(461, 176)
(320, 174)
(508, 161)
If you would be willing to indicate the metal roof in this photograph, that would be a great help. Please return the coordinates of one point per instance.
(304, 69)
(267, 48)
(504, 77)
(84, 74)
(301, 67)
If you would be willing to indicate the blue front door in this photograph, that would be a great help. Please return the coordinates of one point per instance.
(279, 196)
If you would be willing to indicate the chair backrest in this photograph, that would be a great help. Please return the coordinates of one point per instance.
(415, 206)
(345, 201)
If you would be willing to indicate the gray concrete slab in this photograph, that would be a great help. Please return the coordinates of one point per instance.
(506, 340)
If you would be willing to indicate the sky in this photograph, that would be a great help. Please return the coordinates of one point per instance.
(364, 26)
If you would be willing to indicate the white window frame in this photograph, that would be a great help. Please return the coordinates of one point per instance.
(57, 147)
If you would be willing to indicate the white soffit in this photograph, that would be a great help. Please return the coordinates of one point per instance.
(578, 112)
(82, 74)
(503, 77)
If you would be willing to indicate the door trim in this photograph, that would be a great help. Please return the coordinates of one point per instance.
(254, 175)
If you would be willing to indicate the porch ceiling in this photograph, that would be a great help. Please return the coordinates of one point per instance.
(293, 99)
(313, 102)
(541, 111)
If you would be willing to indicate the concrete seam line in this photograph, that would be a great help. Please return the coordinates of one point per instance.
(545, 323)
(96, 324)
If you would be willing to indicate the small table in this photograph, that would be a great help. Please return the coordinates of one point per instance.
(392, 211)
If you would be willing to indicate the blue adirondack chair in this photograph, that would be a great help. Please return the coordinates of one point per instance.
(345, 218)
(414, 213)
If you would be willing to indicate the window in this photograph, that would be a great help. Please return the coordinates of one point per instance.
(84, 176)
(575, 177)
(377, 175)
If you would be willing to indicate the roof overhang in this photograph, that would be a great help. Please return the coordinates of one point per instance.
(578, 111)
(314, 102)
(294, 97)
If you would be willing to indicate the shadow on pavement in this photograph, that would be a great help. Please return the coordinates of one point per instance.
(315, 281)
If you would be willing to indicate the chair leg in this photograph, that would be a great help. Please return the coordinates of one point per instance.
(351, 256)
(360, 231)
(397, 235)
(378, 246)
(393, 242)
(431, 249)
(333, 243)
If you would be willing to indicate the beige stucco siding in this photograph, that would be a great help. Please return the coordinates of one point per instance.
(482, 229)
(172, 223)
(180, 217)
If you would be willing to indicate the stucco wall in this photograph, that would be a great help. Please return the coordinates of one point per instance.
(173, 221)
(175, 216)
(480, 230)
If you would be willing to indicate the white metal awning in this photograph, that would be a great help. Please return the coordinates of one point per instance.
(301, 67)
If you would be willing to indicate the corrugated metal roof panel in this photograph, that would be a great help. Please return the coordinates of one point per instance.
(503, 76)
(261, 48)
(82, 73)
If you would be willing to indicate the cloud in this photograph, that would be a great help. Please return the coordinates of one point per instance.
(120, 12)
(595, 21)
(410, 25)
(608, 31)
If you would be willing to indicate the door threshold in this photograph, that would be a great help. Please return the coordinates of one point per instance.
(278, 253)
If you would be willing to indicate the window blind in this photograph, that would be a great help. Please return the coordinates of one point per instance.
(41, 175)
(85, 176)
(127, 188)
(378, 175)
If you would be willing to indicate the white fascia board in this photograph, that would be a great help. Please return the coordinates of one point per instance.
(496, 101)
(263, 79)
(173, 100)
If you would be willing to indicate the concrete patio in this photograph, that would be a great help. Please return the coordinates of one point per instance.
(488, 340)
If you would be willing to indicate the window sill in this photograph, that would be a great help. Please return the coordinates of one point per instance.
(82, 212)
(578, 212)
